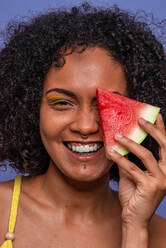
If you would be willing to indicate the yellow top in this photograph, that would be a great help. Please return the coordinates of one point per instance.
(13, 213)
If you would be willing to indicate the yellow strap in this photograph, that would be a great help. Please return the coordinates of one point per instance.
(14, 207)
(13, 212)
(7, 244)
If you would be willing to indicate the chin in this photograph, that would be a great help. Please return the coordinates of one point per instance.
(82, 172)
(88, 175)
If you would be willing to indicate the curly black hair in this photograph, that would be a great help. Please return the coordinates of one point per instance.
(33, 46)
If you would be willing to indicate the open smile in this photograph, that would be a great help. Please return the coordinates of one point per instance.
(84, 152)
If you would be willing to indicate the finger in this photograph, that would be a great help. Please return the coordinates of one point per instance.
(161, 126)
(131, 169)
(141, 152)
(158, 133)
(160, 123)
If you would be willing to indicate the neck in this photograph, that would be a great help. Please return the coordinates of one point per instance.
(77, 198)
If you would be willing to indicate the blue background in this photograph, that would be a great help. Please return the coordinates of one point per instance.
(17, 8)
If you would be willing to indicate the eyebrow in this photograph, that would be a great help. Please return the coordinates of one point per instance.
(71, 94)
(62, 91)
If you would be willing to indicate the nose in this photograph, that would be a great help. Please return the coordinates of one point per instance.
(86, 122)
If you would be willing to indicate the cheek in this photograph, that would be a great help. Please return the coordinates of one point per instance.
(53, 123)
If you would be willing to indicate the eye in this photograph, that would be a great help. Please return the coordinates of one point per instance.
(59, 104)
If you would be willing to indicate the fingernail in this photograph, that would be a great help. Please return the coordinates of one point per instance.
(160, 117)
(112, 151)
(118, 136)
(142, 121)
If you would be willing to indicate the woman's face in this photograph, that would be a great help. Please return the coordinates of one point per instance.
(69, 111)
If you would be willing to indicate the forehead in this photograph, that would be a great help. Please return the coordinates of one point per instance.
(91, 69)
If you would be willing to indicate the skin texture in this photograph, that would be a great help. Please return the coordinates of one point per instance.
(73, 206)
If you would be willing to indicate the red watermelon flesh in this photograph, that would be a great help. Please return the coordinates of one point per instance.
(120, 114)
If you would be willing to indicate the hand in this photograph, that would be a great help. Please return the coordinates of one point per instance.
(140, 192)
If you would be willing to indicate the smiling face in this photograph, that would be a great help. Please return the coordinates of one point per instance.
(69, 121)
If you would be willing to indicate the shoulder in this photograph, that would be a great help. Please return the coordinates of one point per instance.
(157, 231)
(6, 191)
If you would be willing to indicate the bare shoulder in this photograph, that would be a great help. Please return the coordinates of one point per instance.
(6, 191)
(157, 232)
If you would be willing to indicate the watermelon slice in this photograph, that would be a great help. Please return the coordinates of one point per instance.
(119, 114)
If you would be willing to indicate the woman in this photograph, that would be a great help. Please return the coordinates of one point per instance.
(50, 69)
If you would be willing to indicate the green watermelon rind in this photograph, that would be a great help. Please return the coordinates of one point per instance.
(150, 114)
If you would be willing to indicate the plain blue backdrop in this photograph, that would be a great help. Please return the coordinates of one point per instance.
(18, 8)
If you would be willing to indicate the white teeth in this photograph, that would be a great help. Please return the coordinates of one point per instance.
(91, 149)
(84, 148)
(81, 148)
(95, 147)
(73, 148)
(77, 148)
